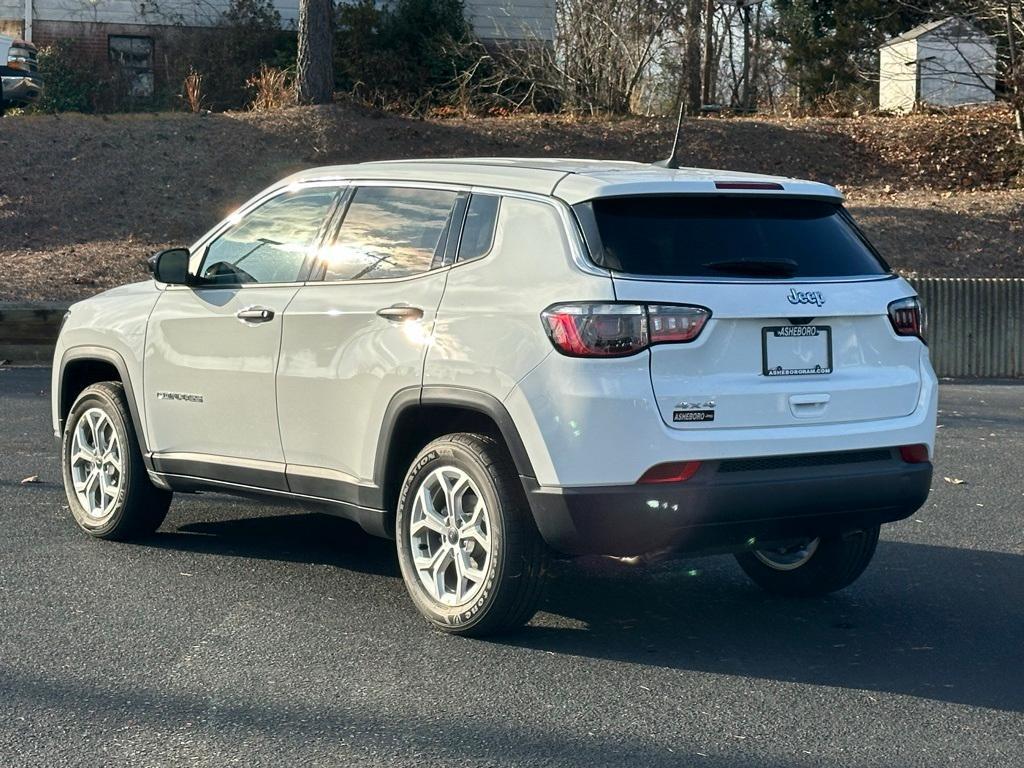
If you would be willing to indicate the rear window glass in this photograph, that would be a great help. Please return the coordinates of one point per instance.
(726, 237)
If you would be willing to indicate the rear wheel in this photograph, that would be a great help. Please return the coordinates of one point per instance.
(812, 568)
(108, 490)
(471, 557)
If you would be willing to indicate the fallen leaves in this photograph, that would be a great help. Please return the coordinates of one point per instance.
(30, 480)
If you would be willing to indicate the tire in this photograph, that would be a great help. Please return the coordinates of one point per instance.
(834, 562)
(122, 504)
(497, 582)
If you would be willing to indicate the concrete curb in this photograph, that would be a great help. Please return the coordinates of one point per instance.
(28, 330)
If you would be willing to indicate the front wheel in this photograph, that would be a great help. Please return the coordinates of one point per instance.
(471, 557)
(812, 568)
(108, 490)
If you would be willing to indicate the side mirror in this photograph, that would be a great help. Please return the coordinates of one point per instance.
(171, 266)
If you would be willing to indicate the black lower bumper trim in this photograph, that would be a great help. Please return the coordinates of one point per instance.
(729, 510)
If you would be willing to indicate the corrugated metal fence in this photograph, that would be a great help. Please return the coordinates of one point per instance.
(975, 325)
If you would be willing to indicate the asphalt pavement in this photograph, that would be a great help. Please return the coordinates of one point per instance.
(249, 634)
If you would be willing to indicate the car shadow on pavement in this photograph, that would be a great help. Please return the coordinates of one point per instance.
(928, 621)
(299, 538)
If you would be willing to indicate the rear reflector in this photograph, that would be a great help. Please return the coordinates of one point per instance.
(670, 472)
(914, 454)
(747, 185)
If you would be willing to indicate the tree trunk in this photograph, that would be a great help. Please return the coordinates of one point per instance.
(1015, 74)
(692, 65)
(708, 80)
(314, 82)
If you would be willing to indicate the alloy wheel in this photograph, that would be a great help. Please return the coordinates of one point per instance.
(96, 464)
(788, 558)
(450, 533)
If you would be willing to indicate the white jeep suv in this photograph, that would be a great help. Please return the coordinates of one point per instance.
(492, 360)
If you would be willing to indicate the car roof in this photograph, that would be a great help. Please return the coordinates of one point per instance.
(573, 180)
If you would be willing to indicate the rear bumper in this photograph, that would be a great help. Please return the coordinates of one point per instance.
(732, 506)
(18, 86)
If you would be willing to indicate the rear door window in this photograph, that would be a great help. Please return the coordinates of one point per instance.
(389, 232)
(726, 236)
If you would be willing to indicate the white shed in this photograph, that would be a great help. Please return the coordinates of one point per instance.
(946, 63)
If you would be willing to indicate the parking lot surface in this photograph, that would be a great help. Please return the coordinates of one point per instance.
(248, 634)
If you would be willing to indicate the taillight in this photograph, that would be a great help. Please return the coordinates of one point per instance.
(21, 56)
(596, 330)
(618, 330)
(907, 317)
(670, 472)
(668, 324)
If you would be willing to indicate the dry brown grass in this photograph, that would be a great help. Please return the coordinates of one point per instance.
(99, 194)
(271, 88)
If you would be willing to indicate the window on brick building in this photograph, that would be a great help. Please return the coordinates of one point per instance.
(133, 56)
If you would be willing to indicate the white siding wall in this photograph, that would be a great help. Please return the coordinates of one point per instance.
(956, 72)
(898, 76)
(491, 19)
(512, 19)
(12, 10)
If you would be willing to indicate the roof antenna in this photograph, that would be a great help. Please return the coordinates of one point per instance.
(673, 159)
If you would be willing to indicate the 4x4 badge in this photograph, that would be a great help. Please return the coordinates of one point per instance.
(806, 297)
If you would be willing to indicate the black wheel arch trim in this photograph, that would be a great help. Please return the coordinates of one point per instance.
(103, 354)
(454, 397)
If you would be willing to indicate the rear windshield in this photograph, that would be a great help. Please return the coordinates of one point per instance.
(687, 236)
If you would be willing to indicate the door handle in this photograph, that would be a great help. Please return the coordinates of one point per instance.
(255, 315)
(398, 313)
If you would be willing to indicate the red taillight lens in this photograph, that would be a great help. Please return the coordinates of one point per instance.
(670, 472)
(907, 317)
(617, 330)
(669, 324)
(597, 330)
(914, 454)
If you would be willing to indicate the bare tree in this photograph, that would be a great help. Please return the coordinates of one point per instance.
(607, 47)
(314, 81)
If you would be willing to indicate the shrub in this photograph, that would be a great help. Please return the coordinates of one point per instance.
(192, 91)
(228, 57)
(72, 82)
(272, 88)
(402, 54)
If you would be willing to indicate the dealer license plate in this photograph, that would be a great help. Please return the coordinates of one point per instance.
(796, 350)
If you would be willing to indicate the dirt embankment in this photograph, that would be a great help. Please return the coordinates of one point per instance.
(83, 200)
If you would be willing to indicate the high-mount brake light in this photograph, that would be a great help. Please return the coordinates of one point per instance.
(907, 317)
(748, 185)
(619, 330)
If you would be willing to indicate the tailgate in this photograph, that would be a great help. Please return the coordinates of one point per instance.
(780, 353)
